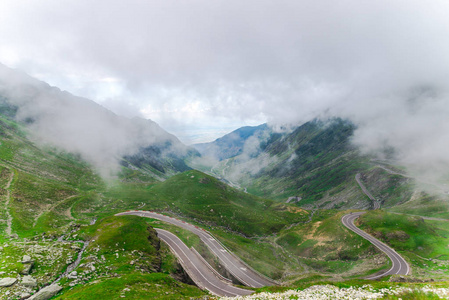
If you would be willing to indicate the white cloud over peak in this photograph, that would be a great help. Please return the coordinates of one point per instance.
(383, 64)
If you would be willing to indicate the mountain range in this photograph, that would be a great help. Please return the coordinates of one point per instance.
(274, 196)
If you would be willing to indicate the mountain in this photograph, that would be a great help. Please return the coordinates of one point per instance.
(56, 207)
(78, 125)
(232, 144)
(313, 164)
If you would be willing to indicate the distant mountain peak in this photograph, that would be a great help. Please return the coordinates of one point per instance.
(231, 144)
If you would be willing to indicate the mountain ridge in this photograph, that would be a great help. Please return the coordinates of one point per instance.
(82, 126)
(231, 144)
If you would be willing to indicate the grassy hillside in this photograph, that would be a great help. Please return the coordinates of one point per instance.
(47, 193)
(423, 242)
(277, 239)
(327, 247)
(199, 196)
(424, 204)
(315, 162)
(125, 258)
(39, 185)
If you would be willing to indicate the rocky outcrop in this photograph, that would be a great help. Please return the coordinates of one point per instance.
(26, 259)
(46, 292)
(29, 281)
(27, 268)
(28, 264)
(7, 281)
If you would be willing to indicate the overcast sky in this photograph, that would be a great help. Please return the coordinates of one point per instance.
(203, 68)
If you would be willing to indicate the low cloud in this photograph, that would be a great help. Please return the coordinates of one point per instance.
(382, 64)
(79, 125)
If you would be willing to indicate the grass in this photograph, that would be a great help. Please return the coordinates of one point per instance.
(422, 242)
(198, 196)
(125, 257)
(425, 205)
(325, 238)
(127, 232)
(409, 233)
(54, 192)
(28, 201)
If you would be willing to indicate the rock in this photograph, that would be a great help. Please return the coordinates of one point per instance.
(29, 281)
(26, 259)
(76, 247)
(27, 268)
(47, 292)
(7, 281)
(25, 296)
(73, 275)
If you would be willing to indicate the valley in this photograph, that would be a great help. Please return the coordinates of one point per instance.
(273, 211)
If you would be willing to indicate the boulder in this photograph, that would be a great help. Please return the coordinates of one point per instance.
(27, 268)
(7, 281)
(26, 259)
(73, 275)
(29, 281)
(47, 292)
(25, 296)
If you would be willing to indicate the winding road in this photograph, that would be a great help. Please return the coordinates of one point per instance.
(376, 204)
(242, 272)
(399, 265)
(197, 269)
(205, 278)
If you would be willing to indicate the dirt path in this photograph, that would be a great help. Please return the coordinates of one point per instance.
(8, 198)
(67, 212)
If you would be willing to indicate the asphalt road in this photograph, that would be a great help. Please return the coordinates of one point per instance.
(198, 271)
(376, 204)
(399, 265)
(233, 264)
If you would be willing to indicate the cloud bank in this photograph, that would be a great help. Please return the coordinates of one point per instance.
(78, 125)
(383, 64)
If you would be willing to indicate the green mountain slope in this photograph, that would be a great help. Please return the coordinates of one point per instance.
(50, 198)
(316, 163)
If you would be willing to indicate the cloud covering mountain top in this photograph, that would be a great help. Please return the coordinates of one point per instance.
(80, 125)
(383, 64)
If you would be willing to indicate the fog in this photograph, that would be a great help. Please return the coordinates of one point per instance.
(382, 64)
(59, 119)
